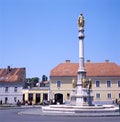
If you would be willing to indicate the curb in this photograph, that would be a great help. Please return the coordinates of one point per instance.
(40, 113)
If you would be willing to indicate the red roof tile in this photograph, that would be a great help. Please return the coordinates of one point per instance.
(12, 74)
(92, 69)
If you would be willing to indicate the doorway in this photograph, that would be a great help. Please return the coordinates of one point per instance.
(37, 98)
(58, 98)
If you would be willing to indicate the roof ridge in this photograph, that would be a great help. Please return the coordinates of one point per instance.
(93, 69)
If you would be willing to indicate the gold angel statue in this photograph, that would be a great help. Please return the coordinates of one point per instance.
(84, 85)
(81, 21)
(89, 84)
(73, 83)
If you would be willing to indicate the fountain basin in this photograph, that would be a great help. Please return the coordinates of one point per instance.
(79, 109)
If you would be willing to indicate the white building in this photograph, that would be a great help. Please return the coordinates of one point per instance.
(11, 84)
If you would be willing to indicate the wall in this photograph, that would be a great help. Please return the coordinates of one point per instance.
(114, 90)
(11, 95)
(34, 91)
(66, 87)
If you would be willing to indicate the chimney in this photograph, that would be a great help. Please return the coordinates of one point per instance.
(67, 61)
(88, 61)
(107, 61)
(8, 68)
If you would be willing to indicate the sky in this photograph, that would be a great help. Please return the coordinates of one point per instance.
(40, 34)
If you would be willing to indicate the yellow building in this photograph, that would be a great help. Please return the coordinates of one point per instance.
(105, 81)
(36, 95)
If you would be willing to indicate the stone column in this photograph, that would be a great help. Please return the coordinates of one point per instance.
(81, 69)
(82, 94)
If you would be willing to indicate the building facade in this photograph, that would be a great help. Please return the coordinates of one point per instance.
(37, 95)
(105, 81)
(11, 85)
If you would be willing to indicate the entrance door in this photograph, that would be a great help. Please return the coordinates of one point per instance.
(58, 98)
(37, 98)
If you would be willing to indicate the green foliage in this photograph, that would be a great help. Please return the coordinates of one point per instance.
(31, 82)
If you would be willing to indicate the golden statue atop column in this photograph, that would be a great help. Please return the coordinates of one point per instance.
(81, 22)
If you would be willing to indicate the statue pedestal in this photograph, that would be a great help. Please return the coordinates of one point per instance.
(82, 98)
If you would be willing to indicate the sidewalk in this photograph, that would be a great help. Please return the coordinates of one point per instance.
(21, 107)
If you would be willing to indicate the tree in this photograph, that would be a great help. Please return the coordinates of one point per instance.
(35, 80)
(31, 82)
(44, 78)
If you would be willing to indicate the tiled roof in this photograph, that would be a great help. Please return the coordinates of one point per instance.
(12, 74)
(45, 82)
(93, 69)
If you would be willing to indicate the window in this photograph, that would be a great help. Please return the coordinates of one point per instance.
(119, 96)
(98, 95)
(109, 95)
(58, 84)
(108, 83)
(97, 83)
(118, 83)
(68, 96)
(15, 89)
(6, 89)
(15, 99)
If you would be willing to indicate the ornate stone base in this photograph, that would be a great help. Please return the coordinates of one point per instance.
(83, 98)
